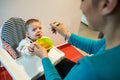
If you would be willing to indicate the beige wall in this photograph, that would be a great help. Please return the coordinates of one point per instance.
(67, 11)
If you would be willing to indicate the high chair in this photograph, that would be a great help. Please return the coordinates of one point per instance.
(13, 31)
(24, 67)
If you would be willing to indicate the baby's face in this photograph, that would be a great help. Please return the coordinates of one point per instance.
(35, 30)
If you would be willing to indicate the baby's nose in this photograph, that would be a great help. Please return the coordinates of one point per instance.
(39, 31)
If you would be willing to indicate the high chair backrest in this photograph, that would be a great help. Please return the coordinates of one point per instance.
(13, 31)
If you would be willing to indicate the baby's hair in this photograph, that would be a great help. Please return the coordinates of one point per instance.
(30, 21)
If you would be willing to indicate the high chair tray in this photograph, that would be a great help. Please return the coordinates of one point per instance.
(28, 67)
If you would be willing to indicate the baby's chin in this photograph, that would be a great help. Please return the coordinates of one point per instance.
(39, 37)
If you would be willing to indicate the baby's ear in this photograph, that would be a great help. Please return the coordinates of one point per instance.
(26, 34)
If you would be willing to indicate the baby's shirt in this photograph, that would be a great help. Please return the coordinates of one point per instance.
(23, 47)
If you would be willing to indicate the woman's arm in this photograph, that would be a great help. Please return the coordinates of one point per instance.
(85, 44)
(49, 70)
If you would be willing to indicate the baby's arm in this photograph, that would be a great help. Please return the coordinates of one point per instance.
(23, 48)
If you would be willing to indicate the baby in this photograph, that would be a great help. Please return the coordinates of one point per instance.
(34, 31)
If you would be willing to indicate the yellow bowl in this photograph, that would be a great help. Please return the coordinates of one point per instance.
(47, 43)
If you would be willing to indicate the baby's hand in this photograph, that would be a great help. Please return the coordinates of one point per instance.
(31, 47)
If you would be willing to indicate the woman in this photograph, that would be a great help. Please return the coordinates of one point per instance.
(102, 16)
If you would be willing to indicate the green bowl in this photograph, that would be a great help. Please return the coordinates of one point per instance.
(47, 43)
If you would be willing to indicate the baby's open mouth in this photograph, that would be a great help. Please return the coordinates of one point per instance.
(38, 35)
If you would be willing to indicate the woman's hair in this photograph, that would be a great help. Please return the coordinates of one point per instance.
(30, 21)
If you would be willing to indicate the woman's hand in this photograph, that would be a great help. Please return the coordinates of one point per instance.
(40, 51)
(59, 27)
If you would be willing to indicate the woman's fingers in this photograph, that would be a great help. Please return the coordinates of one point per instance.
(40, 51)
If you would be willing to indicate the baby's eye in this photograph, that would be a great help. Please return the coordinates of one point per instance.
(34, 29)
(40, 27)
